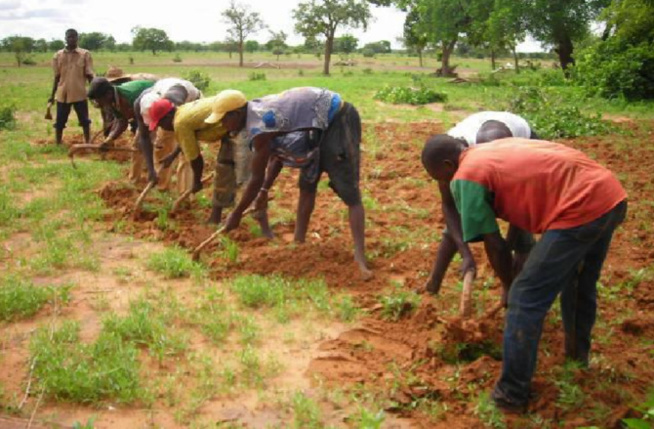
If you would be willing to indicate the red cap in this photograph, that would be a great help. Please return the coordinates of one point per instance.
(158, 110)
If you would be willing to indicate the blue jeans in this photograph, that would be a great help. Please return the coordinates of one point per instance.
(567, 261)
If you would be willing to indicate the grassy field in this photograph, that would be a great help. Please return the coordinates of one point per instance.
(105, 320)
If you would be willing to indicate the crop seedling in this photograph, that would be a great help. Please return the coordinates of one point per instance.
(398, 303)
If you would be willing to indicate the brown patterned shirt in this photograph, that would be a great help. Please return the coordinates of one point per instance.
(72, 67)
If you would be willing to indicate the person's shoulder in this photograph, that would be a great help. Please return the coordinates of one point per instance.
(59, 53)
(82, 51)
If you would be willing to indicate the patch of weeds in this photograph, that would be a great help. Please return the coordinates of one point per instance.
(366, 419)
(175, 263)
(213, 317)
(248, 329)
(647, 410)
(255, 76)
(148, 324)
(7, 118)
(399, 303)
(124, 274)
(230, 249)
(553, 120)
(488, 413)
(255, 370)
(346, 309)
(198, 78)
(90, 424)
(306, 412)
(285, 297)
(570, 394)
(20, 298)
(8, 211)
(67, 369)
(409, 95)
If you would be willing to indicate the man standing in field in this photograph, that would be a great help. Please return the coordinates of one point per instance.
(178, 92)
(73, 67)
(546, 188)
(120, 101)
(187, 123)
(476, 129)
(333, 147)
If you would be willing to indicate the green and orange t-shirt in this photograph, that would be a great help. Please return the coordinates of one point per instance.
(532, 184)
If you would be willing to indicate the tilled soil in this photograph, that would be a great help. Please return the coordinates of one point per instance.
(430, 354)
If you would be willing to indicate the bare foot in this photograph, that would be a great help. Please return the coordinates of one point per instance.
(366, 274)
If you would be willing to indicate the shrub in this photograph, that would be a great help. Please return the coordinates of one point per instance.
(29, 61)
(552, 119)
(409, 95)
(199, 79)
(368, 53)
(615, 69)
(7, 119)
(177, 58)
(257, 76)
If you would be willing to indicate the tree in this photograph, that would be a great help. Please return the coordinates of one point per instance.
(19, 45)
(109, 43)
(346, 44)
(92, 41)
(243, 22)
(252, 46)
(415, 35)
(41, 45)
(313, 46)
(277, 42)
(324, 17)
(55, 45)
(381, 47)
(560, 22)
(151, 39)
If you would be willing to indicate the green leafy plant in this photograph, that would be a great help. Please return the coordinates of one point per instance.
(174, 263)
(254, 76)
(67, 369)
(177, 58)
(20, 298)
(552, 119)
(7, 119)
(198, 78)
(647, 419)
(409, 95)
(488, 413)
(399, 303)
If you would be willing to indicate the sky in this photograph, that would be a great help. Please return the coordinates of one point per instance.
(192, 20)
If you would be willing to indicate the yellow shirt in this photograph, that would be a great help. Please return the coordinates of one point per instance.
(190, 127)
(72, 67)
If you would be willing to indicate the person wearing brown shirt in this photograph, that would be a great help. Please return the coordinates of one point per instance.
(73, 67)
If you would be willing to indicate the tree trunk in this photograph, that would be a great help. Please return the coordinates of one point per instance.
(564, 50)
(240, 53)
(515, 60)
(492, 59)
(420, 57)
(329, 45)
(448, 48)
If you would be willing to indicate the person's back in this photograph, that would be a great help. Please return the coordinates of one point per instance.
(538, 185)
(468, 129)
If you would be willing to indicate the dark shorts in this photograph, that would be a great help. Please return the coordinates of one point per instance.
(63, 111)
(339, 157)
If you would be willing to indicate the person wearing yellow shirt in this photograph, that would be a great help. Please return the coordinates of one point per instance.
(187, 122)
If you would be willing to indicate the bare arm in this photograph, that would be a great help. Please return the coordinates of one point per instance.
(145, 141)
(499, 255)
(453, 220)
(118, 127)
(55, 84)
(261, 146)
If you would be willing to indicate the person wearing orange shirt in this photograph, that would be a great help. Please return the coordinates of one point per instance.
(549, 189)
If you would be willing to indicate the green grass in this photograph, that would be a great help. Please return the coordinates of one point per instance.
(286, 297)
(69, 370)
(174, 263)
(149, 323)
(398, 303)
(20, 298)
(488, 413)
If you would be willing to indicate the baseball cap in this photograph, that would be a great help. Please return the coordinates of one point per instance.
(226, 101)
(158, 110)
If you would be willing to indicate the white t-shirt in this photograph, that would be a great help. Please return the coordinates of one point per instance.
(469, 127)
(159, 90)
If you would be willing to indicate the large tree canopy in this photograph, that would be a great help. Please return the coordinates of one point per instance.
(151, 39)
(324, 17)
(242, 23)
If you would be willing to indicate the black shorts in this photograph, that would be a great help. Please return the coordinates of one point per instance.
(340, 157)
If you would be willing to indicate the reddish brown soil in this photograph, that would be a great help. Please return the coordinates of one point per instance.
(412, 358)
